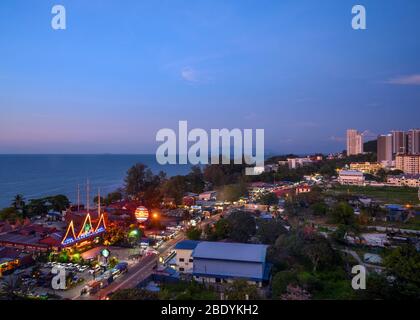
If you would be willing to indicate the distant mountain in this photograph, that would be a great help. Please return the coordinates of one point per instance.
(370, 146)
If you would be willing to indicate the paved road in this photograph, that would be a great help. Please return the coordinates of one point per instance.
(144, 268)
(135, 274)
(361, 262)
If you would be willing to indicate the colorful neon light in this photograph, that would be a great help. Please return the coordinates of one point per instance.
(86, 231)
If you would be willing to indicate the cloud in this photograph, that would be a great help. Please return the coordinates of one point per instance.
(413, 79)
(189, 75)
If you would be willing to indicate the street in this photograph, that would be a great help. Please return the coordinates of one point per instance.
(143, 268)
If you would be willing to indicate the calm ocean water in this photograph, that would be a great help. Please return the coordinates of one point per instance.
(43, 175)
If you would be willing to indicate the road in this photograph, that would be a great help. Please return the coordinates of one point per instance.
(144, 267)
(361, 262)
(136, 273)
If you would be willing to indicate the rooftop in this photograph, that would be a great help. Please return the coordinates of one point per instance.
(187, 245)
(231, 251)
(351, 172)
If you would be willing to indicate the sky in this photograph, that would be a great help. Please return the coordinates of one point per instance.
(122, 70)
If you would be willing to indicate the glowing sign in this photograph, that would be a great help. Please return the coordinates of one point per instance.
(87, 231)
(105, 253)
(142, 214)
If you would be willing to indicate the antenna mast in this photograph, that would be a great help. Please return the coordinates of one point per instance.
(87, 196)
(99, 202)
(78, 198)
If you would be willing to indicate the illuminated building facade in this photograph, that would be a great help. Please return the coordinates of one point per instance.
(354, 142)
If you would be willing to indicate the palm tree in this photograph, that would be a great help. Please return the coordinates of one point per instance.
(18, 202)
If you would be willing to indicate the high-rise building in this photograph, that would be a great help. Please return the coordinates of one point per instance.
(354, 142)
(399, 142)
(384, 149)
(414, 141)
(410, 164)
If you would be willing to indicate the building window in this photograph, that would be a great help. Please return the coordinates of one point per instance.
(181, 269)
(181, 259)
(191, 260)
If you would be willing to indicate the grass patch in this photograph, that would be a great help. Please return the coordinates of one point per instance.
(398, 195)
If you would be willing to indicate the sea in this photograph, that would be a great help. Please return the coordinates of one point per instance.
(36, 176)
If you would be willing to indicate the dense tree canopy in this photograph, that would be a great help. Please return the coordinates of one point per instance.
(241, 226)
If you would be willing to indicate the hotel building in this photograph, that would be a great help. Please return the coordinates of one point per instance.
(384, 149)
(354, 142)
(351, 177)
(365, 167)
(414, 141)
(399, 142)
(409, 164)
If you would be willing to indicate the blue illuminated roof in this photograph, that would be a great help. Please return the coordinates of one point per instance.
(186, 245)
(231, 251)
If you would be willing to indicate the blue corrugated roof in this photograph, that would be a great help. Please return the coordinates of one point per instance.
(230, 251)
(187, 245)
(394, 207)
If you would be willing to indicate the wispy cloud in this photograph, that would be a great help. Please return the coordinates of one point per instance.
(413, 80)
(189, 74)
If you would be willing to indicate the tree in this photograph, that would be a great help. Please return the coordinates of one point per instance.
(175, 188)
(327, 170)
(95, 200)
(404, 264)
(152, 197)
(215, 175)
(37, 207)
(134, 294)
(281, 281)
(9, 214)
(319, 208)
(395, 172)
(219, 231)
(382, 175)
(241, 290)
(196, 180)
(233, 192)
(268, 198)
(295, 293)
(113, 197)
(58, 203)
(269, 230)
(343, 214)
(193, 233)
(320, 253)
(138, 177)
(241, 226)
(115, 235)
(18, 202)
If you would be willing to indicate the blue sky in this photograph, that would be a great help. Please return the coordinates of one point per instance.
(125, 69)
